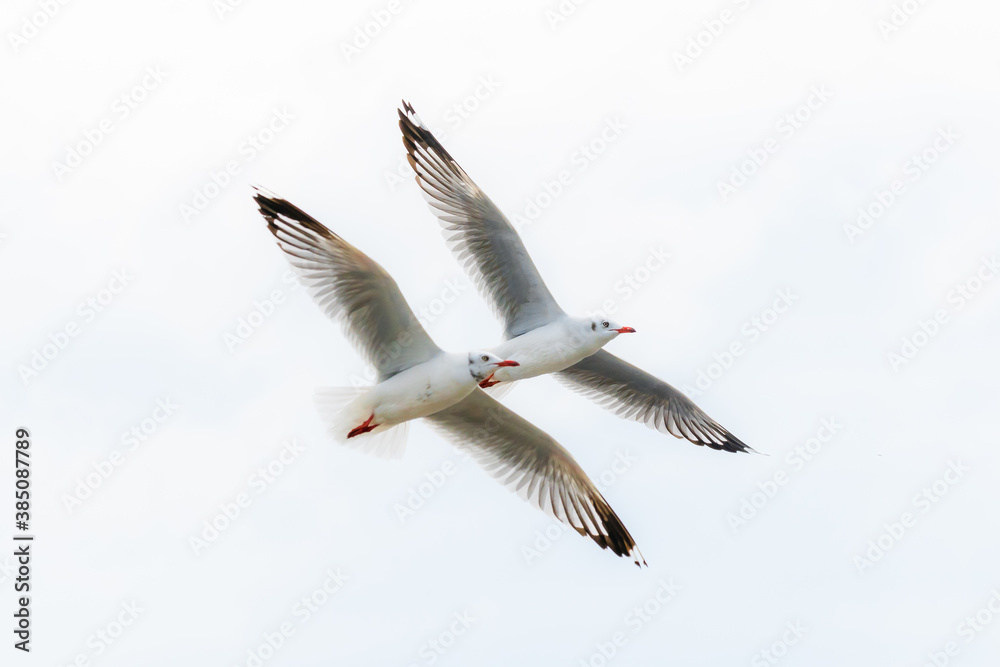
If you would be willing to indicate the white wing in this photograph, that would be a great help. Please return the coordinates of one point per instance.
(351, 288)
(478, 234)
(532, 464)
(632, 393)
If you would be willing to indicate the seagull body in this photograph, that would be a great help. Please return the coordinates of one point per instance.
(552, 347)
(416, 379)
(424, 389)
(421, 390)
(492, 253)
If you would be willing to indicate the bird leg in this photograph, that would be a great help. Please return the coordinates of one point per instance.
(489, 382)
(364, 428)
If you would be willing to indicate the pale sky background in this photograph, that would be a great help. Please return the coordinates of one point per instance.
(887, 96)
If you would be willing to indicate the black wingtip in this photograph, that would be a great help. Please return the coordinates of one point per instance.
(618, 539)
(730, 443)
(271, 206)
(416, 134)
(737, 446)
(274, 208)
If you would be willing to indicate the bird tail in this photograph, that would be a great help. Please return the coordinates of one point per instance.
(345, 408)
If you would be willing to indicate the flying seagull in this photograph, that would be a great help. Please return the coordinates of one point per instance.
(537, 332)
(416, 379)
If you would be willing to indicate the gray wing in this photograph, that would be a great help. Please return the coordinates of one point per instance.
(478, 234)
(351, 288)
(632, 393)
(533, 465)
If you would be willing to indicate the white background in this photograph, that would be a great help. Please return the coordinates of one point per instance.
(554, 84)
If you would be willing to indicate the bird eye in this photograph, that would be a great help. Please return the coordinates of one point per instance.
(604, 324)
(485, 358)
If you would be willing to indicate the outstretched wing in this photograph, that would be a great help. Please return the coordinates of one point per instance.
(351, 288)
(478, 234)
(632, 393)
(533, 465)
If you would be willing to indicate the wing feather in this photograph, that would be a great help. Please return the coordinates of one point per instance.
(632, 393)
(477, 232)
(351, 288)
(527, 460)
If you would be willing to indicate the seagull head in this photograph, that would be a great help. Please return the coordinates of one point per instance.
(607, 329)
(484, 364)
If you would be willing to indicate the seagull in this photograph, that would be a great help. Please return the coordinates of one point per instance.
(537, 332)
(416, 379)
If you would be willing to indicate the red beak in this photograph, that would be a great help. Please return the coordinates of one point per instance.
(508, 362)
(625, 330)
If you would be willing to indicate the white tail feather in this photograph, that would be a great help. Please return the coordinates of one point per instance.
(385, 443)
(345, 408)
